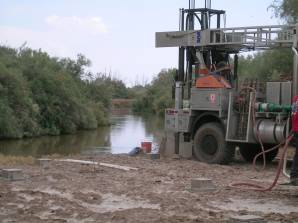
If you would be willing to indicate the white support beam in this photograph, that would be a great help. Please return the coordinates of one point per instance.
(254, 37)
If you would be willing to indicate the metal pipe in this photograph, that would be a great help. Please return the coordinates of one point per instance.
(285, 161)
(208, 20)
(191, 22)
(218, 21)
(180, 16)
(190, 16)
(200, 59)
(181, 64)
(236, 63)
(179, 95)
(182, 20)
(181, 60)
(208, 4)
(295, 72)
(192, 4)
(198, 18)
(284, 169)
(186, 23)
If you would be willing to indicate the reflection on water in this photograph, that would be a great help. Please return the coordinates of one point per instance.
(129, 131)
(126, 132)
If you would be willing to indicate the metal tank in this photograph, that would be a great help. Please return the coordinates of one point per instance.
(270, 132)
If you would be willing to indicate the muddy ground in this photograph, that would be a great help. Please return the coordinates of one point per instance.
(159, 191)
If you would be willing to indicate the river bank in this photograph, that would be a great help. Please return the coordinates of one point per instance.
(126, 132)
(158, 191)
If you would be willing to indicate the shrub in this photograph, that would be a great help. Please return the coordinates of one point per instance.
(45, 95)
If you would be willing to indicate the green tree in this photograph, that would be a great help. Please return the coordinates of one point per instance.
(116, 88)
(157, 96)
(273, 64)
(76, 68)
(266, 66)
(286, 9)
(46, 95)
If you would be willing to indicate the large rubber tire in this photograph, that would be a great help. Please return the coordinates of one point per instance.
(249, 151)
(210, 145)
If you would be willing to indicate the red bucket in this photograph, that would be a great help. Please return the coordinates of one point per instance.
(146, 147)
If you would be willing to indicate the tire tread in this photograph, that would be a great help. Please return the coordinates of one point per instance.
(228, 150)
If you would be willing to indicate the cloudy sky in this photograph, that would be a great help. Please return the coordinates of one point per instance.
(117, 36)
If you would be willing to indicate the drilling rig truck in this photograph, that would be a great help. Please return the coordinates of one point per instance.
(214, 113)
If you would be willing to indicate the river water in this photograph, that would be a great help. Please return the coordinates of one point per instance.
(126, 132)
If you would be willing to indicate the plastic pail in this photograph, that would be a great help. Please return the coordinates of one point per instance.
(146, 146)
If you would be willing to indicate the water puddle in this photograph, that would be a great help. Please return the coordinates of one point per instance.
(253, 205)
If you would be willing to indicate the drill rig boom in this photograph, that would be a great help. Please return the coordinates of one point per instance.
(233, 39)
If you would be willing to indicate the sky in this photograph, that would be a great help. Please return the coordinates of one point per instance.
(117, 36)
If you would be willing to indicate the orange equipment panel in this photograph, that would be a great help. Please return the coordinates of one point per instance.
(212, 81)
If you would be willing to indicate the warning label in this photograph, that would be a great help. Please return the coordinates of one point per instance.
(213, 98)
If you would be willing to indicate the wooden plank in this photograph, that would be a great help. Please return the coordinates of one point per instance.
(126, 168)
(78, 161)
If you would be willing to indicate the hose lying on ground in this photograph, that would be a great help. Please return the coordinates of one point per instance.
(255, 186)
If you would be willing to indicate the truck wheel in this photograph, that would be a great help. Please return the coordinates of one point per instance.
(249, 151)
(210, 145)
